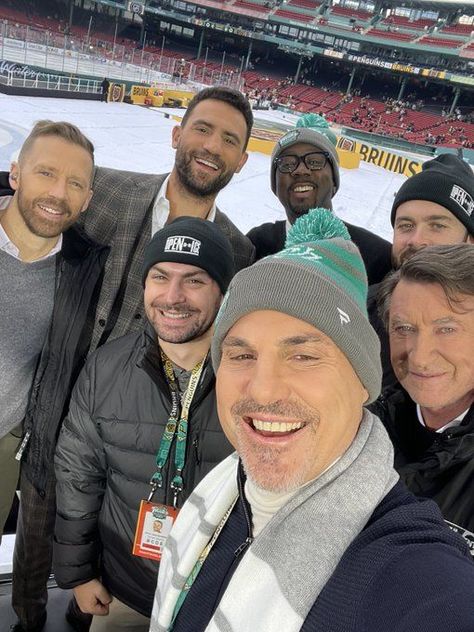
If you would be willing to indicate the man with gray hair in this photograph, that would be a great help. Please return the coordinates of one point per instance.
(427, 306)
(307, 526)
(433, 207)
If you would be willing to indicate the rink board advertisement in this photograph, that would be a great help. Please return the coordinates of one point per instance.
(383, 158)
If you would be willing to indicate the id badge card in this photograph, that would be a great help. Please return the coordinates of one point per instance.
(153, 528)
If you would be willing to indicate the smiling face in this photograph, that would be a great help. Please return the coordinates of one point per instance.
(52, 184)
(421, 223)
(304, 189)
(431, 349)
(209, 147)
(181, 301)
(289, 401)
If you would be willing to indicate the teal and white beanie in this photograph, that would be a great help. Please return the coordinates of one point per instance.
(320, 278)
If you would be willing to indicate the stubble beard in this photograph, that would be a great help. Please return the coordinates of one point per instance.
(272, 468)
(197, 328)
(39, 226)
(196, 187)
(404, 255)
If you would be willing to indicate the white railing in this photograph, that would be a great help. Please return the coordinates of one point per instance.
(14, 77)
(101, 58)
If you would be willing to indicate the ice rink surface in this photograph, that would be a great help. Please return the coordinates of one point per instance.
(139, 139)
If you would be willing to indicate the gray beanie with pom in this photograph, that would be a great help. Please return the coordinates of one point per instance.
(319, 278)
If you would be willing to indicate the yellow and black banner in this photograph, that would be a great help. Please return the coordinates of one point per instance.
(381, 157)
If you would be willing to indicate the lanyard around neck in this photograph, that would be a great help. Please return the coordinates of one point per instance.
(177, 425)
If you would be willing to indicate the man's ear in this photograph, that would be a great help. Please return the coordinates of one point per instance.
(86, 203)
(242, 162)
(175, 136)
(14, 177)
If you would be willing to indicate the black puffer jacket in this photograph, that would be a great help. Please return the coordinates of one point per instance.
(439, 466)
(106, 456)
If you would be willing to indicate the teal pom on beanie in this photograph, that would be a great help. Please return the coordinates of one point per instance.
(321, 239)
(318, 223)
(319, 124)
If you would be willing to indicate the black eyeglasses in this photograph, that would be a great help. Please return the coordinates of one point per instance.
(314, 161)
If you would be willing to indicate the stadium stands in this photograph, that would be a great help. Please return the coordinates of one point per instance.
(438, 41)
(305, 4)
(292, 15)
(353, 111)
(404, 22)
(394, 35)
(458, 29)
(246, 6)
(351, 13)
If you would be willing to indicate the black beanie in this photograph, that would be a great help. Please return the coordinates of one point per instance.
(196, 242)
(446, 180)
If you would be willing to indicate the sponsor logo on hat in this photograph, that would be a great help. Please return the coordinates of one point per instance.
(462, 198)
(289, 138)
(343, 317)
(181, 243)
(298, 251)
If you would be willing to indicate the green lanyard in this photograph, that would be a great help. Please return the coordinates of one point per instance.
(177, 425)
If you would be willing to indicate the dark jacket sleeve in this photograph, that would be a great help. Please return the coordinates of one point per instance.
(268, 238)
(424, 588)
(80, 468)
(242, 248)
(5, 188)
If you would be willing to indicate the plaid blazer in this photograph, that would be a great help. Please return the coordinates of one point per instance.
(120, 216)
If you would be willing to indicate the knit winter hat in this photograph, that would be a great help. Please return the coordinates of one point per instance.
(314, 130)
(196, 242)
(446, 180)
(320, 278)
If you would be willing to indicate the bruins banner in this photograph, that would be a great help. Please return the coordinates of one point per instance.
(381, 157)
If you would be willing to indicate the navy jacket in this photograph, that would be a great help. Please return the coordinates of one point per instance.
(405, 572)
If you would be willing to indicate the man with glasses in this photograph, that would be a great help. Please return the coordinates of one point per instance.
(304, 175)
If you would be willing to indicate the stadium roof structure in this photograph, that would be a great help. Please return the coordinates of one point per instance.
(466, 5)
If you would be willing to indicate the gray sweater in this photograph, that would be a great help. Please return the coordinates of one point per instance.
(26, 306)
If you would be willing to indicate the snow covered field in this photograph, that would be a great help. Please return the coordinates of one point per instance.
(139, 139)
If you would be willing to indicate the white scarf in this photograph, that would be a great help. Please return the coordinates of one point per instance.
(285, 568)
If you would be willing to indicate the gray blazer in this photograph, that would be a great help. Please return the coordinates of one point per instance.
(120, 215)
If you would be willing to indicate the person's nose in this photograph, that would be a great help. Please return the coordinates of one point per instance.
(267, 383)
(174, 292)
(58, 188)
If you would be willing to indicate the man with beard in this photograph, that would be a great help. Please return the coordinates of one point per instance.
(305, 175)
(433, 207)
(40, 250)
(306, 526)
(126, 210)
(142, 426)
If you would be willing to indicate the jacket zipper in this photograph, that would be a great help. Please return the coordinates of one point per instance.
(249, 539)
